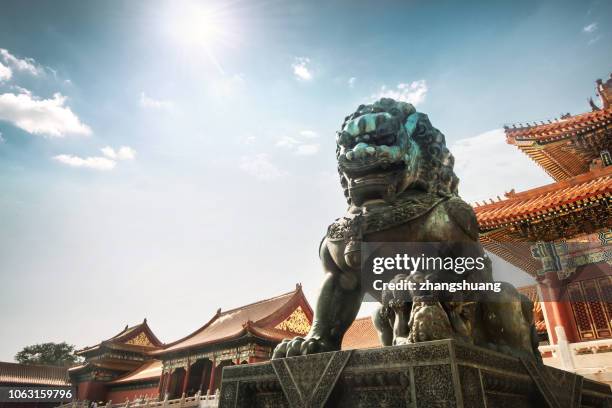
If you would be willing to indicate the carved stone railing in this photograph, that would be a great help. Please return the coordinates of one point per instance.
(197, 400)
(592, 359)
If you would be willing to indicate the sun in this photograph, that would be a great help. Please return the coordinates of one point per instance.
(203, 28)
(199, 27)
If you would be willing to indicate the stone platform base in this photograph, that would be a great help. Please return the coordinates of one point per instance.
(437, 374)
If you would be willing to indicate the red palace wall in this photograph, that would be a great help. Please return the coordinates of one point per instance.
(91, 391)
(117, 396)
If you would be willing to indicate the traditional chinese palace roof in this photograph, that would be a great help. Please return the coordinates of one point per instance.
(561, 210)
(151, 370)
(22, 374)
(362, 334)
(566, 147)
(124, 352)
(272, 319)
(138, 338)
(552, 200)
(574, 150)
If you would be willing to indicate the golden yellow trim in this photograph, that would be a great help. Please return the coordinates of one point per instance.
(140, 340)
(297, 322)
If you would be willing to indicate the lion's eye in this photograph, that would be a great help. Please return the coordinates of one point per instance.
(347, 140)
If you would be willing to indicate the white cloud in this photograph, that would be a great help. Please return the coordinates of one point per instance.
(5, 73)
(49, 117)
(287, 141)
(594, 40)
(351, 82)
(487, 167)
(95, 163)
(2, 139)
(124, 153)
(590, 28)
(21, 64)
(307, 149)
(413, 92)
(106, 162)
(301, 70)
(309, 133)
(151, 103)
(260, 167)
(298, 144)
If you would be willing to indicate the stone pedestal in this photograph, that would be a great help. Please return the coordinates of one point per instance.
(437, 374)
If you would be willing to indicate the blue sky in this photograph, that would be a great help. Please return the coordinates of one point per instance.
(164, 159)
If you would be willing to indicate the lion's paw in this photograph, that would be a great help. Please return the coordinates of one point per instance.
(301, 346)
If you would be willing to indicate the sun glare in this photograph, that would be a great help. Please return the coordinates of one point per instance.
(200, 28)
(203, 28)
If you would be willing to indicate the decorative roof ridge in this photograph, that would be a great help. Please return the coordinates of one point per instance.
(591, 175)
(517, 126)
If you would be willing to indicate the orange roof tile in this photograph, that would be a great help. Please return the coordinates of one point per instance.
(361, 334)
(149, 370)
(268, 332)
(14, 373)
(235, 322)
(544, 200)
(109, 364)
(561, 128)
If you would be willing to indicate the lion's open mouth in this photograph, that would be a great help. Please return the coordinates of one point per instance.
(375, 168)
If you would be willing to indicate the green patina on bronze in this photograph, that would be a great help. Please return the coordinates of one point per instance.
(397, 175)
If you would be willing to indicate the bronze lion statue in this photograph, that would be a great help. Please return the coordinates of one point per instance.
(398, 179)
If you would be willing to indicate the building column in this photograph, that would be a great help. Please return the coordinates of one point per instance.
(160, 387)
(204, 367)
(186, 379)
(556, 308)
(211, 383)
(168, 381)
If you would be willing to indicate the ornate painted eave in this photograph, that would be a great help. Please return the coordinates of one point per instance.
(509, 227)
(565, 147)
(556, 200)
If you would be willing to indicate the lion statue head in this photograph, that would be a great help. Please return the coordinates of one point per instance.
(386, 148)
